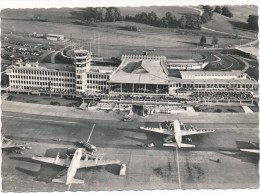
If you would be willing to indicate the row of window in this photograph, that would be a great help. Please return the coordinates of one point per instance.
(40, 83)
(97, 87)
(212, 85)
(28, 87)
(43, 72)
(42, 78)
(97, 82)
(98, 76)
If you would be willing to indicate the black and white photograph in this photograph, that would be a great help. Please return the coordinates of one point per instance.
(129, 95)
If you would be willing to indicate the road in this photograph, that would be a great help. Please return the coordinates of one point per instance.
(147, 168)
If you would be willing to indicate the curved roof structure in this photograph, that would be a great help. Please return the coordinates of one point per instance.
(140, 71)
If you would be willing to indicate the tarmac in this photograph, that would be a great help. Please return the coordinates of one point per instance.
(52, 129)
(72, 112)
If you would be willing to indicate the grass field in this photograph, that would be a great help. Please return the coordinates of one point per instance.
(235, 25)
(112, 40)
(220, 109)
(63, 14)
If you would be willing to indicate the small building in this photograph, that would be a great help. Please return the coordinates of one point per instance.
(54, 37)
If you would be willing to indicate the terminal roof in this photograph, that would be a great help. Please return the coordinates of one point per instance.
(212, 73)
(141, 71)
(51, 67)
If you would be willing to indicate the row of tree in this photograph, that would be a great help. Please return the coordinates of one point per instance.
(92, 15)
(214, 41)
(223, 11)
(168, 21)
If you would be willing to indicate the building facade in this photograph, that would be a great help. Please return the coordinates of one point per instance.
(137, 74)
(30, 76)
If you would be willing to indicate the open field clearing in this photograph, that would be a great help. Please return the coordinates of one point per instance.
(242, 12)
(231, 25)
(114, 39)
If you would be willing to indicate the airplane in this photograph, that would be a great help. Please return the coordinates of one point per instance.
(8, 143)
(88, 146)
(252, 150)
(72, 165)
(177, 130)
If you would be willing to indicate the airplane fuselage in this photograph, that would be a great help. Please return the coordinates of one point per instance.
(74, 165)
(177, 132)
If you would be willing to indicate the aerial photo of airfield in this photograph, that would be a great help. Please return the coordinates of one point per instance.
(130, 98)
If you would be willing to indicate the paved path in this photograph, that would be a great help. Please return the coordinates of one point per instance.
(44, 56)
(71, 112)
(53, 56)
(247, 109)
(245, 62)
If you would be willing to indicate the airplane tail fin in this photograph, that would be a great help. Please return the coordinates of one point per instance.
(175, 144)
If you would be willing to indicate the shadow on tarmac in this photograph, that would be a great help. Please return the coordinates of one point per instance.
(131, 130)
(242, 156)
(246, 145)
(47, 172)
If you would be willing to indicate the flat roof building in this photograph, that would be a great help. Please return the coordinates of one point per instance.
(137, 74)
(54, 37)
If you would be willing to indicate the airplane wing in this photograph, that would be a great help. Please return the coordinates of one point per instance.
(195, 132)
(54, 161)
(176, 145)
(251, 150)
(158, 130)
(93, 163)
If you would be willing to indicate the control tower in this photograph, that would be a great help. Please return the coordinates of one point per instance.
(82, 64)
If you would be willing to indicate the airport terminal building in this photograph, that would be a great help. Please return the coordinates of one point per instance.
(137, 74)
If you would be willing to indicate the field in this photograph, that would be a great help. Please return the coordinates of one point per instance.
(219, 109)
(113, 41)
(235, 25)
(45, 100)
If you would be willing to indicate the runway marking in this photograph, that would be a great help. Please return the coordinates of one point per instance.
(47, 120)
(178, 168)
(91, 132)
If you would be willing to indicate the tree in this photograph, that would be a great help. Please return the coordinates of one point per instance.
(214, 41)
(253, 22)
(203, 40)
(152, 18)
(205, 17)
(164, 22)
(113, 14)
(171, 19)
(182, 22)
(193, 22)
(207, 7)
(141, 17)
(218, 10)
(226, 12)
